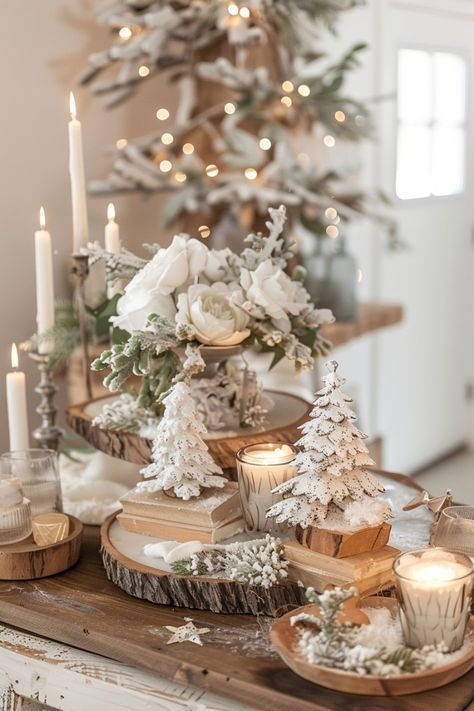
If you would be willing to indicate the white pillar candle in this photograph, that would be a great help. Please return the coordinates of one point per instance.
(44, 285)
(78, 182)
(16, 405)
(434, 589)
(260, 468)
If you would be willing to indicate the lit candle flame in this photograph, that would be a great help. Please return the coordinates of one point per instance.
(14, 356)
(110, 212)
(42, 218)
(72, 105)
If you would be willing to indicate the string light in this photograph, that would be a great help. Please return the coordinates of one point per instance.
(304, 90)
(144, 70)
(250, 173)
(329, 141)
(331, 213)
(204, 231)
(288, 86)
(188, 148)
(340, 116)
(233, 9)
(332, 231)
(125, 33)
(180, 177)
(212, 170)
(165, 166)
(286, 101)
(121, 143)
(162, 114)
(229, 108)
(244, 12)
(265, 144)
(167, 138)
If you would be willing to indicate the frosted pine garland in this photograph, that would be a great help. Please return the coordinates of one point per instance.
(331, 465)
(181, 460)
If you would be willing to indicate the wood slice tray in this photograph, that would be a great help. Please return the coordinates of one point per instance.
(288, 412)
(126, 566)
(284, 637)
(27, 561)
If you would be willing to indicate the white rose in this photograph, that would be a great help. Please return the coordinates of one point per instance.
(217, 265)
(269, 287)
(212, 312)
(149, 290)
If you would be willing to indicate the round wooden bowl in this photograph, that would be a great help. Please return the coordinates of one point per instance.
(284, 637)
(27, 561)
(288, 413)
(125, 566)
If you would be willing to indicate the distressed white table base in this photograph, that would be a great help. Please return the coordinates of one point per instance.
(60, 677)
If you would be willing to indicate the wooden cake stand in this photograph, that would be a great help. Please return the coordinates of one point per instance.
(288, 412)
(127, 567)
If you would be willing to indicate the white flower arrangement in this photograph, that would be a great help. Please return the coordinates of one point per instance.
(189, 296)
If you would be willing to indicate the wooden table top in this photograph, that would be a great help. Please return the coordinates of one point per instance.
(83, 609)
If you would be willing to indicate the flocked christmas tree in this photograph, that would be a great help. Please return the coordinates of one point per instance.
(332, 483)
(181, 460)
(261, 105)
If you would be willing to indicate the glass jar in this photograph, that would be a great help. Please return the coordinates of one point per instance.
(15, 512)
(38, 472)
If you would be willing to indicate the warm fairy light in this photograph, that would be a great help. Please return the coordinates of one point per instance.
(265, 144)
(204, 231)
(229, 108)
(250, 173)
(72, 105)
(304, 90)
(188, 148)
(125, 33)
(14, 356)
(233, 9)
(286, 101)
(244, 12)
(288, 86)
(360, 275)
(303, 158)
(111, 212)
(121, 143)
(180, 177)
(167, 138)
(332, 231)
(162, 114)
(329, 141)
(165, 166)
(331, 213)
(143, 70)
(42, 218)
(212, 170)
(340, 116)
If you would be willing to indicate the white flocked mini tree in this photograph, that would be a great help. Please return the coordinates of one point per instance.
(333, 485)
(181, 460)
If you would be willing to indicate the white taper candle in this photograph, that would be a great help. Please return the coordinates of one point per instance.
(78, 182)
(16, 405)
(44, 285)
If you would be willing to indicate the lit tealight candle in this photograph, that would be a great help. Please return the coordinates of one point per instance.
(16, 405)
(434, 590)
(260, 468)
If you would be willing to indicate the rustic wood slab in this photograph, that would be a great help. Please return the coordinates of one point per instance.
(291, 411)
(284, 636)
(200, 592)
(371, 317)
(26, 560)
(83, 609)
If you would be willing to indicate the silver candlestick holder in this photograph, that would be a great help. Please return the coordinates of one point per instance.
(80, 272)
(48, 434)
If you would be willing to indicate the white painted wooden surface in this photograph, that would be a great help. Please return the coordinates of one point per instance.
(56, 676)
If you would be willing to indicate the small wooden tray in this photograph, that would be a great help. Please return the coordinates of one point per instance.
(27, 561)
(284, 637)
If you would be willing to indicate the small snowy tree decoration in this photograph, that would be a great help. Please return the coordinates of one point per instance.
(332, 487)
(181, 460)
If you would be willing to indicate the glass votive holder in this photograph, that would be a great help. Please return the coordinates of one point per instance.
(434, 588)
(15, 512)
(455, 530)
(38, 472)
(260, 468)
